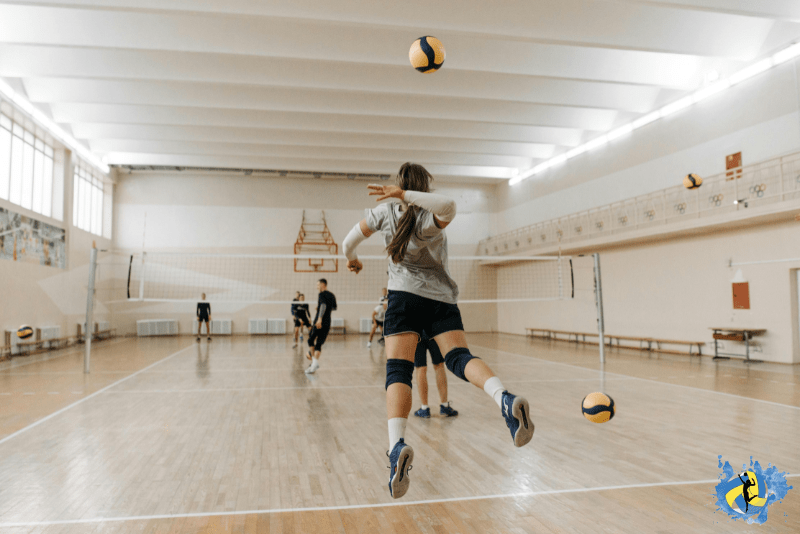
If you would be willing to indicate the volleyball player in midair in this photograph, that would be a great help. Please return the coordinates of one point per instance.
(423, 301)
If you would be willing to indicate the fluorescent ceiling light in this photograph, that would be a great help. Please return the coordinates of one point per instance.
(678, 105)
(712, 89)
(782, 56)
(619, 132)
(647, 119)
(786, 54)
(596, 142)
(54, 129)
(752, 70)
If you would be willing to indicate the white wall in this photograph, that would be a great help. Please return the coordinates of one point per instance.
(675, 288)
(759, 118)
(678, 289)
(47, 296)
(227, 213)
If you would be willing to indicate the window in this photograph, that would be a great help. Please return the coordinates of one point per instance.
(26, 168)
(90, 192)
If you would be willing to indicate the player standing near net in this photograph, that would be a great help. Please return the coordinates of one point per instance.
(301, 317)
(326, 303)
(378, 314)
(203, 315)
(424, 346)
(422, 300)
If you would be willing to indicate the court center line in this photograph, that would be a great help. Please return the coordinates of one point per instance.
(356, 506)
(99, 391)
(646, 379)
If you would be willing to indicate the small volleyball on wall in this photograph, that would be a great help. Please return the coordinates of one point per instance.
(692, 181)
(24, 331)
(427, 54)
(598, 407)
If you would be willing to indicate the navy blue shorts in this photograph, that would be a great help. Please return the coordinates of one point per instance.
(425, 317)
(421, 355)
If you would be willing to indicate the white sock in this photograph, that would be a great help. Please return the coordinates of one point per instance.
(494, 388)
(397, 429)
(424, 406)
(314, 362)
(446, 403)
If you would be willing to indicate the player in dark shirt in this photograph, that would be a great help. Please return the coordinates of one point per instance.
(326, 303)
(301, 315)
(203, 315)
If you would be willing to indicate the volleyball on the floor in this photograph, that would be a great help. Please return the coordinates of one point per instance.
(24, 331)
(692, 181)
(427, 54)
(756, 488)
(598, 407)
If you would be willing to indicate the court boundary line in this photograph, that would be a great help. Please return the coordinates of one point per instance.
(69, 353)
(95, 520)
(84, 399)
(645, 379)
(313, 387)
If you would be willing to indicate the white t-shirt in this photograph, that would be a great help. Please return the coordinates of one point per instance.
(423, 270)
(381, 313)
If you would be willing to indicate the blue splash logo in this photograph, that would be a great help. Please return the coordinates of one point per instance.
(747, 495)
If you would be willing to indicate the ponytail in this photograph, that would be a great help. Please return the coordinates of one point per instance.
(405, 228)
(411, 177)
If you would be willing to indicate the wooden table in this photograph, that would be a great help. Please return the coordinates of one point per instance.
(736, 334)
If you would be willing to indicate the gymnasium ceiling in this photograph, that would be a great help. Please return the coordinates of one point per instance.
(325, 85)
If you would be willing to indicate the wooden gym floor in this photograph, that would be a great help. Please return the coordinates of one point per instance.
(168, 435)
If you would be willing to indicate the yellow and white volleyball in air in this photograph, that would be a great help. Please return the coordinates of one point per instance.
(427, 54)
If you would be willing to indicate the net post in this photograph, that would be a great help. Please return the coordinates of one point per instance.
(88, 330)
(598, 297)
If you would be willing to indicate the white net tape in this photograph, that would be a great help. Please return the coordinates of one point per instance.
(273, 278)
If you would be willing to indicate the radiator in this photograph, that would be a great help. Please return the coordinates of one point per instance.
(220, 327)
(49, 332)
(365, 325)
(276, 326)
(156, 327)
(102, 325)
(257, 326)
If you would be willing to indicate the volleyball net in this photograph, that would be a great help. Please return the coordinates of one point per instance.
(276, 278)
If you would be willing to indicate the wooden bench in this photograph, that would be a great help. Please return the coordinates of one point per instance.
(99, 335)
(691, 344)
(640, 339)
(652, 344)
(546, 332)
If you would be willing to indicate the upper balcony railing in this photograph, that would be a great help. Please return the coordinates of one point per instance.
(768, 182)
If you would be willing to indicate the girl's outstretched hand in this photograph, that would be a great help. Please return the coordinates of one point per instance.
(354, 266)
(385, 191)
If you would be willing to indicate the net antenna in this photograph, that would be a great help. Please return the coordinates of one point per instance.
(315, 238)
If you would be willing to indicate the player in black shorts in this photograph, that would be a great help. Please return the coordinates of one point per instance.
(326, 303)
(301, 315)
(203, 315)
(424, 346)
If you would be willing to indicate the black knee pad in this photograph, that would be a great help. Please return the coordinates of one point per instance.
(457, 360)
(401, 371)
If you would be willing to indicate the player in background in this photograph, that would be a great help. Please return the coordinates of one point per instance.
(301, 317)
(326, 303)
(423, 300)
(424, 346)
(377, 321)
(203, 315)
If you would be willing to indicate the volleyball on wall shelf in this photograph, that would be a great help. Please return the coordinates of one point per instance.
(692, 181)
(427, 54)
(24, 331)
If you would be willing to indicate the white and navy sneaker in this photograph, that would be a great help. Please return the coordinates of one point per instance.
(401, 458)
(447, 411)
(517, 414)
(425, 414)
